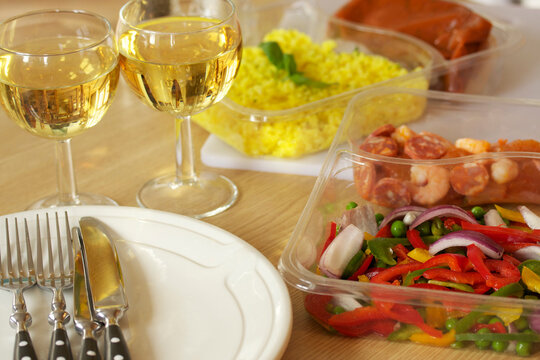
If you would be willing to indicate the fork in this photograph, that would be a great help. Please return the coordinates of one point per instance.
(56, 280)
(17, 281)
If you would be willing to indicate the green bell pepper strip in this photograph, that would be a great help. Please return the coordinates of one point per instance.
(462, 287)
(353, 264)
(381, 247)
(466, 322)
(404, 332)
(526, 337)
(534, 265)
(513, 289)
(413, 275)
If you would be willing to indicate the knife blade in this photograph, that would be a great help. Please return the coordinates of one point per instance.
(85, 323)
(103, 275)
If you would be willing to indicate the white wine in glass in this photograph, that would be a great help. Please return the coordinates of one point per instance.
(180, 57)
(58, 75)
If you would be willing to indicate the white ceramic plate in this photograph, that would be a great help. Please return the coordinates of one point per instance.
(195, 291)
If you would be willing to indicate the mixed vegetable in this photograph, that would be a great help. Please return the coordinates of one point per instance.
(494, 252)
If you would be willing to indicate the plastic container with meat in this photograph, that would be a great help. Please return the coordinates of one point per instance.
(378, 173)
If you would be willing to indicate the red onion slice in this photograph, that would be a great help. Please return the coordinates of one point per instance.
(527, 252)
(493, 218)
(534, 320)
(443, 210)
(465, 238)
(401, 212)
(340, 251)
(531, 219)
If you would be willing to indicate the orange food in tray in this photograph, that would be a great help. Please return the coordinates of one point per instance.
(450, 175)
(451, 28)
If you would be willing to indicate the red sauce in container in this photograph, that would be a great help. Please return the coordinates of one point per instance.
(451, 28)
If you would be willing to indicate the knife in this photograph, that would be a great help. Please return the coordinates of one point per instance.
(103, 276)
(85, 324)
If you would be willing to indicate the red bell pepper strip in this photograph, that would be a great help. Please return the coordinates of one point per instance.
(381, 327)
(496, 327)
(315, 305)
(455, 262)
(414, 238)
(391, 273)
(513, 247)
(508, 272)
(363, 268)
(331, 235)
(481, 288)
(476, 257)
(357, 316)
(384, 232)
(429, 286)
(511, 259)
(401, 252)
(408, 315)
(502, 234)
(470, 277)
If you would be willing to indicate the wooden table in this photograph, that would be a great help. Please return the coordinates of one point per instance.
(134, 143)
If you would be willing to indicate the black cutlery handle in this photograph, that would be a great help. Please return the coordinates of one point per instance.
(23, 346)
(115, 344)
(89, 349)
(60, 347)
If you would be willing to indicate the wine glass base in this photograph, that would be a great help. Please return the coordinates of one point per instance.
(82, 199)
(206, 195)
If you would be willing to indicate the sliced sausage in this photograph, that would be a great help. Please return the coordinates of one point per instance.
(426, 146)
(469, 179)
(380, 145)
(385, 130)
(364, 179)
(391, 193)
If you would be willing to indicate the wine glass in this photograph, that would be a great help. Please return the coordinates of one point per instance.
(58, 76)
(180, 57)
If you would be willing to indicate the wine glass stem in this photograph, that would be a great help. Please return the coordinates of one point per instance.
(67, 188)
(185, 160)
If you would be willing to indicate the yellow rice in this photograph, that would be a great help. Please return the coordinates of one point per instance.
(260, 85)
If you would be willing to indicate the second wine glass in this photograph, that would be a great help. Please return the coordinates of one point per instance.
(180, 57)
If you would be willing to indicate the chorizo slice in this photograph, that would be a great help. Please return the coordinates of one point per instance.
(385, 130)
(392, 193)
(380, 145)
(364, 179)
(469, 179)
(426, 145)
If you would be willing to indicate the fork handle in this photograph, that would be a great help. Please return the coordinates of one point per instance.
(115, 344)
(89, 349)
(24, 349)
(60, 347)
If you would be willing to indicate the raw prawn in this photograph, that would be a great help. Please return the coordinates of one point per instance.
(473, 146)
(429, 184)
(504, 170)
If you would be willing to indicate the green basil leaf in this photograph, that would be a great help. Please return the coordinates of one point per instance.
(289, 64)
(273, 52)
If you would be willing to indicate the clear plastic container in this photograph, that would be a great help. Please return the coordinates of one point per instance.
(298, 131)
(309, 128)
(450, 115)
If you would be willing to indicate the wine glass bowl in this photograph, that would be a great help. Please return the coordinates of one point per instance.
(58, 77)
(180, 57)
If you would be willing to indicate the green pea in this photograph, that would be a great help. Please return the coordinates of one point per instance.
(499, 346)
(483, 344)
(437, 227)
(457, 345)
(521, 323)
(484, 319)
(478, 212)
(338, 310)
(379, 218)
(494, 320)
(424, 228)
(523, 348)
(398, 229)
(450, 323)
(351, 205)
